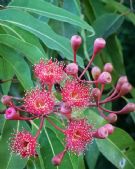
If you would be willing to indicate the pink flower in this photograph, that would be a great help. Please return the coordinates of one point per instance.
(38, 102)
(76, 94)
(24, 144)
(78, 135)
(49, 72)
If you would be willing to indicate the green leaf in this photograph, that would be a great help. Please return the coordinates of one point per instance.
(121, 152)
(122, 9)
(118, 148)
(6, 73)
(22, 35)
(19, 65)
(48, 10)
(32, 52)
(40, 29)
(115, 53)
(107, 24)
(92, 155)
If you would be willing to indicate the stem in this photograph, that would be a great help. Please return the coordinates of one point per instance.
(16, 107)
(27, 118)
(102, 89)
(112, 95)
(110, 111)
(86, 81)
(102, 114)
(50, 88)
(40, 127)
(74, 52)
(56, 127)
(91, 60)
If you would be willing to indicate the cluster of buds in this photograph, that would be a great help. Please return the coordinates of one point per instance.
(42, 103)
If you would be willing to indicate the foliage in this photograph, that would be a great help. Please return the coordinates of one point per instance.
(31, 29)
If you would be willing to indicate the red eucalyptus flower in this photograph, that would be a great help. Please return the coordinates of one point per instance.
(38, 102)
(76, 94)
(49, 72)
(24, 144)
(78, 135)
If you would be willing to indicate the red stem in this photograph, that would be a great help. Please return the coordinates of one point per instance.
(52, 123)
(91, 60)
(40, 127)
(74, 56)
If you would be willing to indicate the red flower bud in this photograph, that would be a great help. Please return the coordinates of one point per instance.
(104, 78)
(125, 88)
(95, 72)
(76, 41)
(56, 160)
(121, 81)
(72, 69)
(66, 110)
(96, 93)
(11, 114)
(112, 117)
(110, 128)
(6, 99)
(108, 67)
(101, 133)
(130, 107)
(99, 44)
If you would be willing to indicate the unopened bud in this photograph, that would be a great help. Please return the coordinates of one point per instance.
(108, 67)
(6, 99)
(76, 41)
(130, 107)
(121, 81)
(11, 114)
(56, 160)
(99, 44)
(72, 69)
(101, 133)
(95, 72)
(125, 88)
(112, 117)
(110, 128)
(66, 110)
(96, 93)
(104, 78)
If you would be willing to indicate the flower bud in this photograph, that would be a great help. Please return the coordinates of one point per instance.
(56, 160)
(99, 44)
(11, 114)
(130, 107)
(108, 67)
(96, 93)
(121, 81)
(101, 133)
(66, 110)
(6, 99)
(112, 117)
(125, 88)
(95, 72)
(76, 41)
(104, 78)
(110, 128)
(72, 69)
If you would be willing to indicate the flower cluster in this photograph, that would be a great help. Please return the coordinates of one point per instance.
(76, 93)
